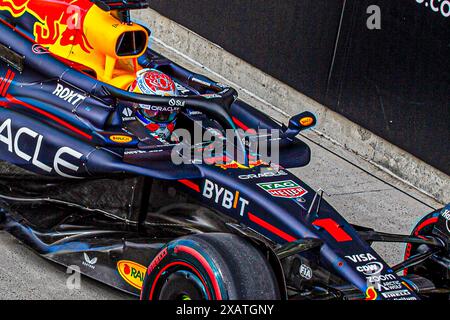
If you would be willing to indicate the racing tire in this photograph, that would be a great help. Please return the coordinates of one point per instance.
(213, 266)
(424, 228)
(428, 269)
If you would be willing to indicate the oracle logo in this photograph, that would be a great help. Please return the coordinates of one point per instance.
(15, 144)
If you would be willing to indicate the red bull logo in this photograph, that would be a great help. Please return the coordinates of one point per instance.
(58, 22)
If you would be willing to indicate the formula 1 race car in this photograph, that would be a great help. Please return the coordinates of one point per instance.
(84, 183)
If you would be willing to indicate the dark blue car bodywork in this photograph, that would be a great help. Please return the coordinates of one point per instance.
(65, 145)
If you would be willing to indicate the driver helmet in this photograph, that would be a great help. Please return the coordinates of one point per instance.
(160, 121)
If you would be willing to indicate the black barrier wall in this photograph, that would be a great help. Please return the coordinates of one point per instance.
(394, 81)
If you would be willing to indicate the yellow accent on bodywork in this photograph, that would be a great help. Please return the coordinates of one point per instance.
(103, 31)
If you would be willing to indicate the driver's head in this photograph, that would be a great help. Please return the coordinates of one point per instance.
(159, 121)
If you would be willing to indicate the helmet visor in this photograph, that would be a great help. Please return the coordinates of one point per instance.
(160, 116)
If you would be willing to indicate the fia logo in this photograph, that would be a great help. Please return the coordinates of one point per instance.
(306, 272)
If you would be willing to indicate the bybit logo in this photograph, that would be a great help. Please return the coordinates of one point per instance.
(227, 199)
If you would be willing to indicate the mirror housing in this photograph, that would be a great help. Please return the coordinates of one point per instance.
(301, 122)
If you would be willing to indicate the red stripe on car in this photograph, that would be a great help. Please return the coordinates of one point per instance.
(271, 228)
(4, 80)
(191, 185)
(8, 83)
(416, 231)
(425, 224)
(334, 229)
(240, 124)
(48, 115)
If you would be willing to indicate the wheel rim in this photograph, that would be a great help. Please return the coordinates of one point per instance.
(182, 285)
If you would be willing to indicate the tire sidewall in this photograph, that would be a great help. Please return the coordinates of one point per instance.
(424, 228)
(188, 255)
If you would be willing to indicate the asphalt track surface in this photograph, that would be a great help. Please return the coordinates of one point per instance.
(362, 193)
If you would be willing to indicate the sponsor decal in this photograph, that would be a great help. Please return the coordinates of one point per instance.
(237, 165)
(26, 136)
(371, 294)
(224, 197)
(68, 95)
(409, 298)
(61, 23)
(157, 260)
(176, 103)
(381, 278)
(265, 174)
(121, 139)
(389, 286)
(127, 114)
(132, 272)
(181, 89)
(364, 257)
(396, 294)
(306, 272)
(307, 121)
(161, 109)
(38, 49)
(371, 268)
(88, 262)
(283, 189)
(399, 293)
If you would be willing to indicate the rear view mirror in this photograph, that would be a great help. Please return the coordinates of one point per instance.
(299, 123)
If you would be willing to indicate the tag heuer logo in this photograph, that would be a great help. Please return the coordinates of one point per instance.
(284, 189)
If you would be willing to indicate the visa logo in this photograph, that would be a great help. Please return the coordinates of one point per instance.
(365, 257)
